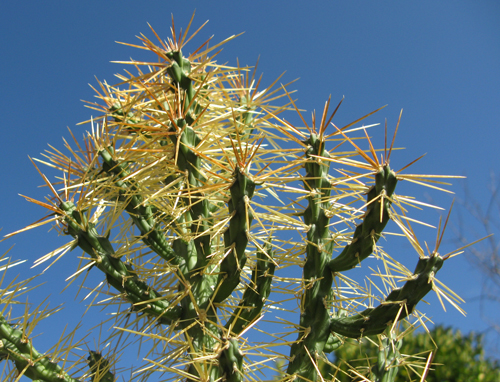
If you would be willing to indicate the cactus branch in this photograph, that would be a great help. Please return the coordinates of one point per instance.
(398, 304)
(29, 362)
(255, 294)
(140, 214)
(99, 368)
(386, 368)
(376, 217)
(118, 274)
(318, 278)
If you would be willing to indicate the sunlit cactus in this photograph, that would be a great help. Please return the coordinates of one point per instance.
(198, 200)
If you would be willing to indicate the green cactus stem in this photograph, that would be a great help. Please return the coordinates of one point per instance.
(34, 365)
(188, 162)
(236, 236)
(318, 279)
(319, 268)
(368, 232)
(99, 368)
(179, 70)
(386, 368)
(397, 305)
(255, 294)
(118, 274)
(231, 361)
(142, 215)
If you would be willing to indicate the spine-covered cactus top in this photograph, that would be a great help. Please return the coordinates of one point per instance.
(224, 224)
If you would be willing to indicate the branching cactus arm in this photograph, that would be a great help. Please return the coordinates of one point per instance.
(398, 304)
(183, 196)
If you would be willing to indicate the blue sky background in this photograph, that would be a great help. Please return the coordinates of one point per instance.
(439, 60)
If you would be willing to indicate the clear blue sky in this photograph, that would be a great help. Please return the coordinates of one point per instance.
(438, 60)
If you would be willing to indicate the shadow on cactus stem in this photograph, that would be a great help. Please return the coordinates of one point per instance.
(196, 200)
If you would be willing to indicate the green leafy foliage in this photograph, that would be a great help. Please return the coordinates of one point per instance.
(455, 358)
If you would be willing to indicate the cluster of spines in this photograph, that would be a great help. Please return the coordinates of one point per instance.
(207, 280)
(320, 329)
(196, 312)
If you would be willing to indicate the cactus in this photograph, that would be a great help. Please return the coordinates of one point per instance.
(185, 194)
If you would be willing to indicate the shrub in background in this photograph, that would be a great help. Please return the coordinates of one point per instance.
(455, 357)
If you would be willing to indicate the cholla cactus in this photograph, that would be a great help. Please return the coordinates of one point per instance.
(198, 201)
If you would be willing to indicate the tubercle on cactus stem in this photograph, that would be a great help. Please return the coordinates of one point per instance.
(333, 342)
